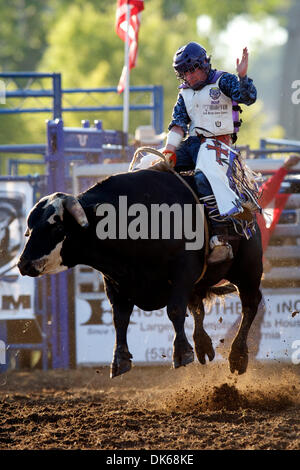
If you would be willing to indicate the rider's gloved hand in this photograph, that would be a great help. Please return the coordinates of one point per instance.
(170, 157)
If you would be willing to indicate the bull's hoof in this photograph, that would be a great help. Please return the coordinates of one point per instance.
(203, 346)
(119, 369)
(205, 349)
(183, 359)
(238, 361)
(120, 364)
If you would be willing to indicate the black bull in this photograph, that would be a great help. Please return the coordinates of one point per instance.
(148, 273)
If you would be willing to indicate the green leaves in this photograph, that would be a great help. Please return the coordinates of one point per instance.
(78, 39)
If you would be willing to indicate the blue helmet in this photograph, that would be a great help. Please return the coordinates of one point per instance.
(190, 57)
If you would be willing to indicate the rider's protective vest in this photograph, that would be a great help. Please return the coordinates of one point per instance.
(211, 111)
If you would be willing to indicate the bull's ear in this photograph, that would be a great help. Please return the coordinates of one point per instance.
(73, 206)
(27, 233)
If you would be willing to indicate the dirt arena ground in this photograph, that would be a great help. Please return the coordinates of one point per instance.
(196, 407)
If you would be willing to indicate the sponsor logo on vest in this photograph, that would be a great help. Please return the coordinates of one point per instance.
(214, 93)
(218, 123)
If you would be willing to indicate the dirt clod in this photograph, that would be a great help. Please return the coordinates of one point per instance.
(227, 397)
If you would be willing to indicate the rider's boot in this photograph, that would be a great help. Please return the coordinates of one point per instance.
(220, 246)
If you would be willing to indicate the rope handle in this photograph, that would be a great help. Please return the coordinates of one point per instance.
(149, 150)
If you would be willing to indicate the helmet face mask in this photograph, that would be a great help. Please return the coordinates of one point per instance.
(190, 58)
(181, 74)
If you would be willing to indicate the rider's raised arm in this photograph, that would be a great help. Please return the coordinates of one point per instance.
(242, 90)
(239, 89)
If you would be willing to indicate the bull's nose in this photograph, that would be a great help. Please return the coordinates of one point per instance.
(26, 267)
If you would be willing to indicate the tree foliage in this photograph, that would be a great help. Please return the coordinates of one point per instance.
(77, 38)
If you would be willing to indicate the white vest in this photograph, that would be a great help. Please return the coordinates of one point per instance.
(210, 109)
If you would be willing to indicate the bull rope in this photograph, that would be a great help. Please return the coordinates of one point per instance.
(162, 157)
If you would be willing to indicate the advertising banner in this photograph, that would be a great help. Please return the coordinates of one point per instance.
(16, 291)
(150, 334)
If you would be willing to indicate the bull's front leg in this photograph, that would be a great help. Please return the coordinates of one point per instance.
(121, 362)
(121, 309)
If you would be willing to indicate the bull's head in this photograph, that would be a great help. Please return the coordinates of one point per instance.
(47, 233)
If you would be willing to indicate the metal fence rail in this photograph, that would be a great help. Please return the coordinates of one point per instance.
(57, 94)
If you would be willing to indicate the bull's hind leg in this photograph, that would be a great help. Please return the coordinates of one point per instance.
(238, 357)
(121, 309)
(246, 274)
(203, 343)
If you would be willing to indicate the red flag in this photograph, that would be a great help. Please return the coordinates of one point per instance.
(136, 7)
(273, 202)
(268, 220)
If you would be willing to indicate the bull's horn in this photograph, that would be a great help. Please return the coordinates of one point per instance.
(73, 206)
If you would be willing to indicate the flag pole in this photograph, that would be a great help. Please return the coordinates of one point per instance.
(127, 82)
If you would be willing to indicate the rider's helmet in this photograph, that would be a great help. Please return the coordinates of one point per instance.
(189, 58)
